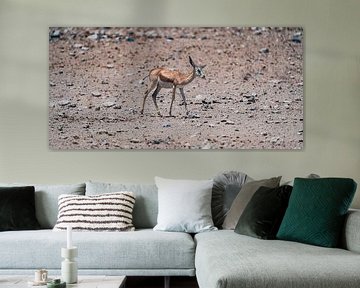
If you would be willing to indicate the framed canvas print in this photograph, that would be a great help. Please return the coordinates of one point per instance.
(176, 88)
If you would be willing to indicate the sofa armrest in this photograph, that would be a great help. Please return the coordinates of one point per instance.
(351, 234)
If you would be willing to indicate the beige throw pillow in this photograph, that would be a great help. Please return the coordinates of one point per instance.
(243, 198)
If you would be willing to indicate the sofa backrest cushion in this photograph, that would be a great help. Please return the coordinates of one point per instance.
(146, 204)
(46, 200)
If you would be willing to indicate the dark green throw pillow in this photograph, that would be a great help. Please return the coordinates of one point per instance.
(316, 211)
(263, 214)
(17, 208)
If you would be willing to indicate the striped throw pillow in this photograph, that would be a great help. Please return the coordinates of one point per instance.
(105, 212)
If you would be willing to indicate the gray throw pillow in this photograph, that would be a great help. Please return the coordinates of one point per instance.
(184, 205)
(243, 198)
(226, 187)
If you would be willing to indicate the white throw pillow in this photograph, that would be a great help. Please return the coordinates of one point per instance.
(105, 212)
(184, 205)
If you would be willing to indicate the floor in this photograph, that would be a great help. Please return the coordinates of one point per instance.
(158, 282)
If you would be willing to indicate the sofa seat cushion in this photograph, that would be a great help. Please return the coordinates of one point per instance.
(138, 250)
(226, 259)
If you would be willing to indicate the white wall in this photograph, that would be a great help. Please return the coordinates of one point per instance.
(332, 90)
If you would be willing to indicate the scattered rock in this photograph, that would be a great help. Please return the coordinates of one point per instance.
(250, 98)
(199, 99)
(193, 116)
(297, 37)
(247, 76)
(62, 115)
(96, 93)
(55, 34)
(274, 140)
(64, 102)
(264, 50)
(108, 104)
(135, 140)
(257, 32)
(206, 146)
(93, 37)
(151, 34)
(101, 131)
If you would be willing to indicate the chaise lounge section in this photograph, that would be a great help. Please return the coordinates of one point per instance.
(226, 259)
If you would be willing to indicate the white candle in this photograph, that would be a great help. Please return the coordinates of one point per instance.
(69, 237)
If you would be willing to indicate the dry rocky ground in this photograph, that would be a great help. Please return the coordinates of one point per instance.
(252, 97)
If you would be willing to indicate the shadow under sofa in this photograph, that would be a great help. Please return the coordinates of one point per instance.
(218, 258)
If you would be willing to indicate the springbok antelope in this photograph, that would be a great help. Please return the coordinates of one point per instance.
(171, 79)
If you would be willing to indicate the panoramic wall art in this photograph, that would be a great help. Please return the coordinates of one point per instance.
(176, 88)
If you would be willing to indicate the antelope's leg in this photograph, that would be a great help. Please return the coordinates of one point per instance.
(158, 88)
(172, 99)
(152, 86)
(184, 100)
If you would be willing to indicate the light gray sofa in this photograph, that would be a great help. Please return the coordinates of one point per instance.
(218, 259)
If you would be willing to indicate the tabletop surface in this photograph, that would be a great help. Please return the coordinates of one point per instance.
(87, 281)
